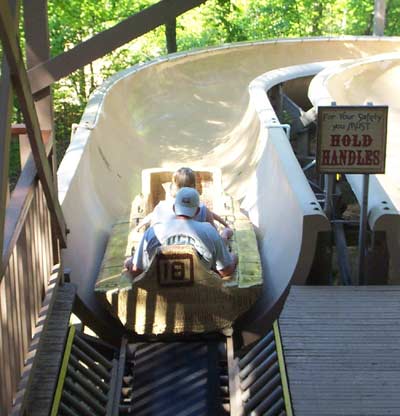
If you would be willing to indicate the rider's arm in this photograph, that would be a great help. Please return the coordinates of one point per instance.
(210, 217)
(144, 222)
(228, 270)
(132, 268)
(136, 264)
(220, 219)
(227, 232)
(225, 261)
(136, 271)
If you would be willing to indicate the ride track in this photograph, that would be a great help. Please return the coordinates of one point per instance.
(194, 109)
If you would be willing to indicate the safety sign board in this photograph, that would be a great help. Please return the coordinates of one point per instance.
(351, 139)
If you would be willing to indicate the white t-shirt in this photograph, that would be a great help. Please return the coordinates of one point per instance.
(201, 235)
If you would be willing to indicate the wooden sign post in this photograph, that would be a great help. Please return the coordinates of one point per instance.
(352, 139)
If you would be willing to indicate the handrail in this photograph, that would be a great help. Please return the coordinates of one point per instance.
(18, 207)
(28, 264)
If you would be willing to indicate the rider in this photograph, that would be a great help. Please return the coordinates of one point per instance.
(183, 229)
(183, 177)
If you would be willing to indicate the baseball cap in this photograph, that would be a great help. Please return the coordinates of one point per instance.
(187, 201)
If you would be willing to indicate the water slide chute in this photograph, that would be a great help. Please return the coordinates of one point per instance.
(193, 109)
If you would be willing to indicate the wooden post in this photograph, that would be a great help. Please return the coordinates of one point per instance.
(170, 35)
(37, 52)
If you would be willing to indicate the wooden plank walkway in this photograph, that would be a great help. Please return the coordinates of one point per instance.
(342, 349)
(50, 353)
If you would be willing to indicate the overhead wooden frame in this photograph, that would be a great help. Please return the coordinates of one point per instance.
(21, 86)
(45, 74)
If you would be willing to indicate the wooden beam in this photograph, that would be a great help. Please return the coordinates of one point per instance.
(22, 89)
(6, 101)
(45, 74)
(5, 139)
(37, 52)
(37, 47)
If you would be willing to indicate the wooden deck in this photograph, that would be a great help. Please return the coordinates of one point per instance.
(342, 349)
(48, 355)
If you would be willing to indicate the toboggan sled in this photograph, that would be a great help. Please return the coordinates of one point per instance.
(177, 293)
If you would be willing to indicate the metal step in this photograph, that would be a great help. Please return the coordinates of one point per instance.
(88, 382)
(258, 379)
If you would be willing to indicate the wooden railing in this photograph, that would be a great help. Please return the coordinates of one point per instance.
(32, 227)
(27, 267)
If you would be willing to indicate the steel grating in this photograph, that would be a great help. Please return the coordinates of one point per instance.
(87, 380)
(259, 380)
(176, 378)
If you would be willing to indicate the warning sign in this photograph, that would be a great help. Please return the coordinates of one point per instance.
(351, 139)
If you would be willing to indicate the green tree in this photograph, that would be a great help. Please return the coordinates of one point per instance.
(215, 22)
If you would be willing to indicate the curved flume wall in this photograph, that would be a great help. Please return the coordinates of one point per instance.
(373, 80)
(194, 109)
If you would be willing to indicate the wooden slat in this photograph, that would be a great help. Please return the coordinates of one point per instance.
(5, 351)
(22, 88)
(37, 244)
(17, 209)
(16, 313)
(24, 296)
(34, 263)
(27, 286)
(105, 42)
(45, 238)
(341, 347)
(11, 332)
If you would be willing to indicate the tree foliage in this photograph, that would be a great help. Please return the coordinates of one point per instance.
(213, 23)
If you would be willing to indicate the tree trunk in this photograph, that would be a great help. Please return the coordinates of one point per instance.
(170, 36)
(379, 17)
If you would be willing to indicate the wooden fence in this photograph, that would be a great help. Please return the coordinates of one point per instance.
(26, 269)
